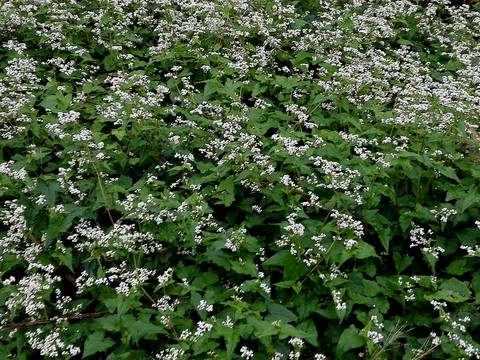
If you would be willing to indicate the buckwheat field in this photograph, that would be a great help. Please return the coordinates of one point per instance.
(232, 179)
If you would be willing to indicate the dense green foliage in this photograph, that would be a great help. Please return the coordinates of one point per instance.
(226, 179)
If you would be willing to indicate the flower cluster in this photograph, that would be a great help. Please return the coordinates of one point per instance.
(220, 178)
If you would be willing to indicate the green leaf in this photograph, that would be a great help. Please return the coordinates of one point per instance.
(144, 328)
(278, 258)
(109, 322)
(205, 279)
(230, 87)
(41, 152)
(258, 89)
(284, 82)
(423, 213)
(454, 65)
(95, 343)
(49, 189)
(285, 284)
(385, 235)
(65, 258)
(204, 344)
(280, 312)
(348, 340)
(212, 86)
(405, 221)
(476, 283)
(363, 250)
(371, 287)
(56, 224)
(225, 191)
(219, 257)
(448, 172)
(50, 102)
(118, 133)
(458, 267)
(231, 337)
(309, 328)
(125, 181)
(470, 199)
(457, 286)
(262, 328)
(123, 352)
(404, 42)
(123, 303)
(110, 61)
(292, 331)
(64, 100)
(452, 290)
(447, 295)
(402, 261)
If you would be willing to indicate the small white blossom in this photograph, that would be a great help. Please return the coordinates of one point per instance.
(246, 353)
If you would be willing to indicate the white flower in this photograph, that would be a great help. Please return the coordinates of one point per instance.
(339, 305)
(375, 336)
(246, 353)
(296, 342)
(203, 305)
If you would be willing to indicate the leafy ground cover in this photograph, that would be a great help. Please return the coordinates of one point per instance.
(229, 179)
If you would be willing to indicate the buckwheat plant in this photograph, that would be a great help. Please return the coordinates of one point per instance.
(230, 179)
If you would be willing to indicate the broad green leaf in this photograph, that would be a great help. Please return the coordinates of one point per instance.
(285, 284)
(457, 286)
(65, 258)
(288, 330)
(476, 283)
(118, 133)
(280, 312)
(219, 257)
(111, 61)
(247, 268)
(203, 345)
(364, 250)
(49, 189)
(348, 340)
(56, 225)
(41, 152)
(50, 102)
(123, 303)
(423, 213)
(454, 65)
(452, 290)
(309, 328)
(211, 87)
(371, 287)
(231, 336)
(205, 279)
(144, 328)
(125, 352)
(448, 172)
(225, 192)
(125, 181)
(262, 328)
(404, 41)
(230, 87)
(64, 100)
(470, 199)
(278, 258)
(402, 261)
(284, 82)
(96, 343)
(385, 234)
(458, 267)
(405, 221)
(447, 295)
